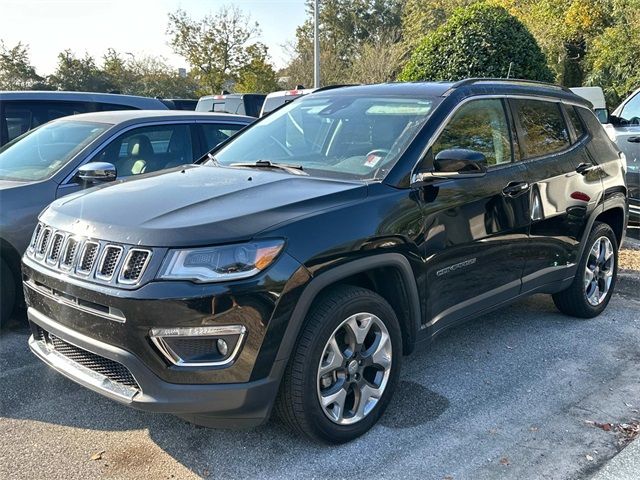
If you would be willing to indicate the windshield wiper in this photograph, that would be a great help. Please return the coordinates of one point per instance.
(294, 169)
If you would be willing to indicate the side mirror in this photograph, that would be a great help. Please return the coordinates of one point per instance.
(97, 172)
(460, 161)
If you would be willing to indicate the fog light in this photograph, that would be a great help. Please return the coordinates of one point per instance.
(223, 348)
(199, 346)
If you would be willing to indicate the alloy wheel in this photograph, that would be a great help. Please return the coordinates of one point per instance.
(354, 368)
(598, 273)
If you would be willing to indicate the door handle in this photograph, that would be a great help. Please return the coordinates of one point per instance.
(583, 168)
(515, 188)
(633, 139)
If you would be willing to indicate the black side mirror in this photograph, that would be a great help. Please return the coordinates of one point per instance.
(460, 161)
(97, 172)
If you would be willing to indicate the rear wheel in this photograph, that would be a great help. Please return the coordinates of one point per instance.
(7, 292)
(593, 285)
(344, 369)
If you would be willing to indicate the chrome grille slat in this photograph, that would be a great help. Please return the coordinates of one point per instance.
(95, 260)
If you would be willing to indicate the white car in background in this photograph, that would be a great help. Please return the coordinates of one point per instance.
(277, 99)
(596, 96)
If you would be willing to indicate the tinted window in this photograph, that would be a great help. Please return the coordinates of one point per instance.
(20, 117)
(216, 133)
(578, 127)
(149, 149)
(543, 128)
(479, 125)
(42, 152)
(631, 111)
(109, 107)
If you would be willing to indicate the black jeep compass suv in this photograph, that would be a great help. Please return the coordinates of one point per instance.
(296, 265)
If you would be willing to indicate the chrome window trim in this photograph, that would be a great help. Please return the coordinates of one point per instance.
(103, 257)
(157, 336)
(126, 260)
(481, 96)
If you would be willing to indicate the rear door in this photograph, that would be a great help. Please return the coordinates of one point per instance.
(565, 187)
(475, 228)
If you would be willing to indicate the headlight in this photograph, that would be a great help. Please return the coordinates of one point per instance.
(219, 264)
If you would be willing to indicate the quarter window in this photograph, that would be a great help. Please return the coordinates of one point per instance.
(216, 133)
(543, 129)
(480, 125)
(578, 127)
(631, 111)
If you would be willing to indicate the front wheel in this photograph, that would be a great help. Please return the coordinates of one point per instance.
(593, 285)
(343, 371)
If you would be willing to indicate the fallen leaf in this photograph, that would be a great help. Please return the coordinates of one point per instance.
(509, 348)
(590, 458)
(448, 477)
(534, 429)
(97, 455)
(504, 461)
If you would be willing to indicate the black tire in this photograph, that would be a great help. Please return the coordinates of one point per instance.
(573, 301)
(298, 405)
(7, 292)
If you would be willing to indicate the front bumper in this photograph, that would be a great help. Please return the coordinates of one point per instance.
(76, 332)
(233, 404)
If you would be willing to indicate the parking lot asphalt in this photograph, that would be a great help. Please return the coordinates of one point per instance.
(511, 395)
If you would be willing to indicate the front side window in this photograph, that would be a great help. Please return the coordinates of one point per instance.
(631, 112)
(479, 125)
(216, 133)
(148, 149)
(44, 151)
(346, 136)
(543, 129)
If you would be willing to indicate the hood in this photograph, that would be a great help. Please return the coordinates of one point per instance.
(7, 184)
(197, 205)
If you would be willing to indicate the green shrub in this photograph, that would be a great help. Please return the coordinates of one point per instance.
(480, 40)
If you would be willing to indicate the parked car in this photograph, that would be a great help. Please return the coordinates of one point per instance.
(238, 103)
(180, 103)
(596, 96)
(297, 265)
(22, 111)
(48, 162)
(624, 130)
(277, 99)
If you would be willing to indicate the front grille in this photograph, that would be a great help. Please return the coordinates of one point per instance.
(134, 265)
(89, 254)
(69, 255)
(56, 246)
(109, 262)
(87, 258)
(113, 370)
(43, 242)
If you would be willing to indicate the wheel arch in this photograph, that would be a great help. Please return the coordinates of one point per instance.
(389, 275)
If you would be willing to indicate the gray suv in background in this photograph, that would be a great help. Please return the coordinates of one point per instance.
(624, 130)
(75, 152)
(22, 111)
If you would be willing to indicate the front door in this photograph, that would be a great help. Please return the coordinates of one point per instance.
(475, 230)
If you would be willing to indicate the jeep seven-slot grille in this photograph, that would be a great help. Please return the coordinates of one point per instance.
(91, 259)
(113, 370)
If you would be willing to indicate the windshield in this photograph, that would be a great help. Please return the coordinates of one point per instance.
(349, 137)
(42, 152)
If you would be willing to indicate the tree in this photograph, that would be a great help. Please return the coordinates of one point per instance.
(612, 59)
(378, 61)
(16, 73)
(79, 74)
(215, 46)
(420, 17)
(258, 74)
(481, 40)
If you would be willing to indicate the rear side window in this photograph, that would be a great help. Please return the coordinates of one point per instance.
(480, 125)
(110, 107)
(576, 123)
(544, 131)
(20, 117)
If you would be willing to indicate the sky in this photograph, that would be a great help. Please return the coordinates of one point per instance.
(135, 26)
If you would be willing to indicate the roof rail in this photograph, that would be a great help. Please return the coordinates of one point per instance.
(331, 87)
(522, 81)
